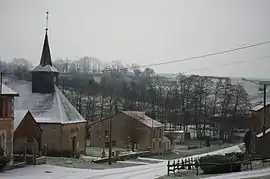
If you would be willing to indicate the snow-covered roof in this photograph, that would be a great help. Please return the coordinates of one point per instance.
(143, 118)
(45, 108)
(175, 131)
(46, 68)
(7, 91)
(18, 117)
(261, 134)
(260, 106)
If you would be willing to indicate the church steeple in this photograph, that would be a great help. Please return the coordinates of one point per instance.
(45, 76)
(46, 54)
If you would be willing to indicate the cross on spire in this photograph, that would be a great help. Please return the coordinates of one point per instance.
(46, 54)
(47, 18)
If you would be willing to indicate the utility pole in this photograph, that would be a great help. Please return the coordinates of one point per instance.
(110, 136)
(110, 141)
(264, 109)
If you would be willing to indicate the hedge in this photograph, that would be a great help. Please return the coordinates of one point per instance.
(220, 164)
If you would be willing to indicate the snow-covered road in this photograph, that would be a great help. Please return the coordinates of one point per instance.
(246, 174)
(137, 172)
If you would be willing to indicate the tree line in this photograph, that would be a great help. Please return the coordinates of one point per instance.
(207, 103)
(211, 105)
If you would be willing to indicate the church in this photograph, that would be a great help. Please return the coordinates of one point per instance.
(63, 129)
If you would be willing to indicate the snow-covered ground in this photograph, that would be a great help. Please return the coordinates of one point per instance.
(133, 162)
(246, 174)
(136, 172)
(151, 159)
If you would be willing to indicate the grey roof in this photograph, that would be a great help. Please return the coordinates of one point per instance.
(7, 91)
(143, 118)
(45, 64)
(45, 108)
(18, 117)
(46, 68)
(46, 54)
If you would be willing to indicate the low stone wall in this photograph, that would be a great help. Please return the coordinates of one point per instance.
(15, 165)
(29, 159)
(41, 160)
(124, 157)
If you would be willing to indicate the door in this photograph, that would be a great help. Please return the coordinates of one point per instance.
(74, 144)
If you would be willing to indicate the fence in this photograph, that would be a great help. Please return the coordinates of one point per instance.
(188, 163)
(193, 163)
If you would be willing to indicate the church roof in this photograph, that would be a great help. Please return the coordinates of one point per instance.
(45, 64)
(46, 68)
(45, 108)
(46, 54)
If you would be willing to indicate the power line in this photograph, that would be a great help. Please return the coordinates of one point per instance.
(232, 63)
(201, 56)
(197, 57)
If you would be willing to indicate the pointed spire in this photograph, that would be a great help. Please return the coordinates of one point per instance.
(46, 54)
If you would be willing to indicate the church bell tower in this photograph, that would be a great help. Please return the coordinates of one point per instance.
(45, 76)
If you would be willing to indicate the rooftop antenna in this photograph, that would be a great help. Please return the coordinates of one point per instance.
(47, 18)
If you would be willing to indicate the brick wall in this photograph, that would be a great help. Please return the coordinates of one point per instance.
(6, 124)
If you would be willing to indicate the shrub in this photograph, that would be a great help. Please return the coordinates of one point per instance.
(4, 160)
(238, 155)
(192, 147)
(219, 164)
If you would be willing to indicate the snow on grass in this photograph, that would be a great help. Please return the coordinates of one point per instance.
(151, 159)
(149, 171)
(89, 158)
(133, 162)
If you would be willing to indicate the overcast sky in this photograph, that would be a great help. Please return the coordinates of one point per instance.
(142, 32)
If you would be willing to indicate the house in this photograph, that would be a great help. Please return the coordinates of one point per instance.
(259, 141)
(25, 139)
(129, 129)
(257, 118)
(166, 144)
(6, 120)
(63, 128)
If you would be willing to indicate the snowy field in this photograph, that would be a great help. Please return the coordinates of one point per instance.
(149, 171)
